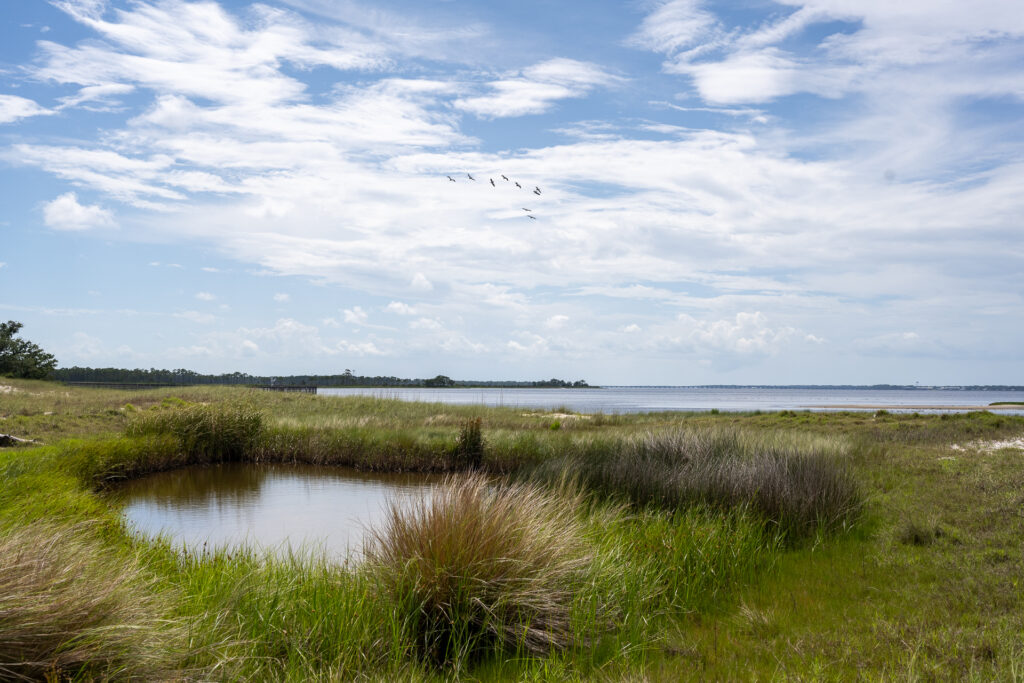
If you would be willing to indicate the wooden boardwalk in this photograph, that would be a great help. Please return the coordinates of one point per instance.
(139, 386)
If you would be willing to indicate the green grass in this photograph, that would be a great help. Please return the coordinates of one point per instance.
(667, 546)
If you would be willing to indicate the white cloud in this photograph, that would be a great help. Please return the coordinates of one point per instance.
(556, 321)
(631, 329)
(99, 97)
(528, 344)
(420, 283)
(674, 26)
(536, 89)
(425, 324)
(282, 298)
(205, 296)
(400, 308)
(65, 213)
(13, 108)
(359, 348)
(355, 315)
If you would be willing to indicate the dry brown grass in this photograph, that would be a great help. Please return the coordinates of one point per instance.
(67, 608)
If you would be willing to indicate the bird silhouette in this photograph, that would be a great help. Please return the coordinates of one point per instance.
(525, 209)
(536, 189)
(492, 181)
(519, 186)
(532, 218)
(470, 177)
(536, 192)
(450, 178)
(505, 177)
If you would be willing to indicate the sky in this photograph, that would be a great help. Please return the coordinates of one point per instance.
(792, 192)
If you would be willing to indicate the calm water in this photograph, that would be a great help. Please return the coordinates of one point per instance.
(648, 399)
(271, 507)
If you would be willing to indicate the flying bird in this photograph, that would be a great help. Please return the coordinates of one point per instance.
(536, 189)
(525, 209)
(536, 192)
(519, 186)
(492, 181)
(470, 177)
(532, 218)
(505, 177)
(450, 178)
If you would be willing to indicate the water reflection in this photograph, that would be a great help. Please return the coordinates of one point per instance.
(273, 507)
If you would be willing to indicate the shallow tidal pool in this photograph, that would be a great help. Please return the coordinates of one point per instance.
(273, 508)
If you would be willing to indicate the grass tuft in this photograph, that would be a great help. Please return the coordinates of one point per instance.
(67, 608)
(799, 485)
(210, 431)
(481, 567)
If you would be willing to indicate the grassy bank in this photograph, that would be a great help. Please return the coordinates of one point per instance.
(659, 546)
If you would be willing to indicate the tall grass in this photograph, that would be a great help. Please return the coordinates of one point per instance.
(799, 485)
(224, 432)
(68, 608)
(481, 568)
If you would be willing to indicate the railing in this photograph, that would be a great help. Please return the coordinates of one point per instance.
(137, 386)
(300, 388)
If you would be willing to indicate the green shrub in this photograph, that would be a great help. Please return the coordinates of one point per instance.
(469, 447)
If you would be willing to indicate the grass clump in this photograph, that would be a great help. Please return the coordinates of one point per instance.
(69, 609)
(483, 568)
(222, 432)
(799, 485)
(469, 447)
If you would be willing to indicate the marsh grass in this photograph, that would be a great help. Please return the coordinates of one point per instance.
(799, 484)
(215, 432)
(482, 566)
(67, 608)
(681, 577)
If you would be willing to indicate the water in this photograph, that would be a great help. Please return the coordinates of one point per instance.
(270, 507)
(649, 399)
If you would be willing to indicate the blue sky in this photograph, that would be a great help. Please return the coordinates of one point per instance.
(746, 192)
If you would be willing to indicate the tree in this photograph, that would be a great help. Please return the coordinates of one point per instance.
(20, 357)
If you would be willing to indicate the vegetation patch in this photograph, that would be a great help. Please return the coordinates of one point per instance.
(691, 545)
(68, 607)
(483, 566)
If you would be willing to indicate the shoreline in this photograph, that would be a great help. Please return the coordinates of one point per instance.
(1017, 406)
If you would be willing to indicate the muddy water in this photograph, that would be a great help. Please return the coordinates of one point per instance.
(271, 507)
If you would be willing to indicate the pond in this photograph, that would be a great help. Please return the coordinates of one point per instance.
(269, 507)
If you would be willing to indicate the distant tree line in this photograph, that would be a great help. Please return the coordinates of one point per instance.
(345, 379)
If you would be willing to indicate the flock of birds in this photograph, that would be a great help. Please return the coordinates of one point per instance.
(536, 189)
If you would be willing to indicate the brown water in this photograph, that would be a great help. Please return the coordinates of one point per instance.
(269, 507)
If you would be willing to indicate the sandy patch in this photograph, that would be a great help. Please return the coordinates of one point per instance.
(852, 406)
(7, 389)
(558, 416)
(990, 446)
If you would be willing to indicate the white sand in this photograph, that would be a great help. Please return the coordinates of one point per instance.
(990, 446)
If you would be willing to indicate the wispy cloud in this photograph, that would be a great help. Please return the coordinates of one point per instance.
(13, 108)
(537, 88)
